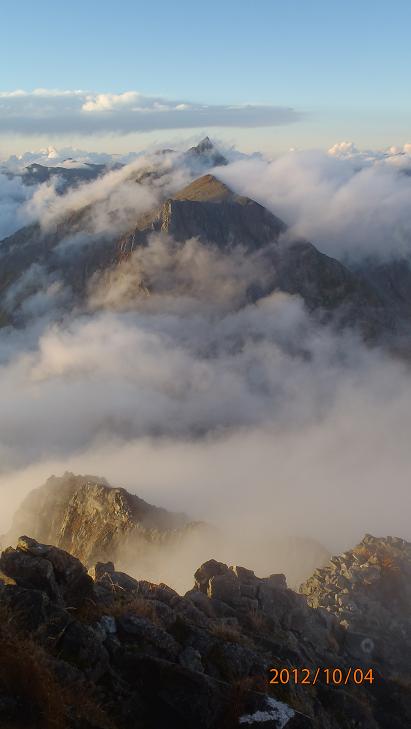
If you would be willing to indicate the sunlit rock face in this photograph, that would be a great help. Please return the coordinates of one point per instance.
(94, 521)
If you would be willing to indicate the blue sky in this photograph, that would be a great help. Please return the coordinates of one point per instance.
(343, 67)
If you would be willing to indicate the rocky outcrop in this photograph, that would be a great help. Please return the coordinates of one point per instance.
(93, 521)
(368, 590)
(39, 567)
(113, 651)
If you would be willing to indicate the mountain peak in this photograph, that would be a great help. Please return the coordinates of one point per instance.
(205, 189)
(92, 519)
(205, 144)
(205, 152)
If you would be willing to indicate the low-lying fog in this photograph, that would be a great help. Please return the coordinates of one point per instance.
(251, 417)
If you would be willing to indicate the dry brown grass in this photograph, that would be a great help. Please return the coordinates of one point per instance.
(258, 623)
(40, 701)
(229, 634)
(240, 690)
(123, 605)
(136, 606)
(26, 679)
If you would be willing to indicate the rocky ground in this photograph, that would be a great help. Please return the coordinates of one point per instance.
(98, 648)
(368, 589)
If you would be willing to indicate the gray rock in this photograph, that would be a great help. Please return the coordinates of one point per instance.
(224, 587)
(79, 645)
(31, 572)
(100, 569)
(278, 581)
(74, 585)
(191, 658)
(243, 574)
(209, 569)
(248, 590)
(108, 624)
(154, 640)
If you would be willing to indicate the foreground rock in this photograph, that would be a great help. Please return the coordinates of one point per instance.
(368, 590)
(106, 650)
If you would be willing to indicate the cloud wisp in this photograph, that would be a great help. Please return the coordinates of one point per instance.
(44, 112)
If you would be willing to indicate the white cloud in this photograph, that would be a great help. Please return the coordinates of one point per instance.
(45, 111)
(397, 156)
(223, 417)
(108, 102)
(347, 202)
(343, 149)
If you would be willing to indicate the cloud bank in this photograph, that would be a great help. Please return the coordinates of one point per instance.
(248, 415)
(45, 111)
(350, 204)
(255, 420)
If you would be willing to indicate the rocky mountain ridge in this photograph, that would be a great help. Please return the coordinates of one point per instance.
(208, 211)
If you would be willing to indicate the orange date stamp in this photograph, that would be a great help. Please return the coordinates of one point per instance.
(329, 676)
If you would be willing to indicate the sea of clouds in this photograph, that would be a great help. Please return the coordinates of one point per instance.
(248, 415)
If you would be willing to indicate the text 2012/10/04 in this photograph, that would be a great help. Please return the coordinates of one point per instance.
(330, 676)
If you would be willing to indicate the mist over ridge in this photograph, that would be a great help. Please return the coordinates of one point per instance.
(187, 370)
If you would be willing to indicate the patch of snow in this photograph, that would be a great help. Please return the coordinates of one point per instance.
(275, 711)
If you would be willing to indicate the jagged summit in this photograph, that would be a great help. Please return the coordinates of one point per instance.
(204, 145)
(205, 151)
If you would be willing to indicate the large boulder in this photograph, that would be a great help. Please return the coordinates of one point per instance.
(31, 572)
(224, 587)
(209, 569)
(150, 638)
(39, 566)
